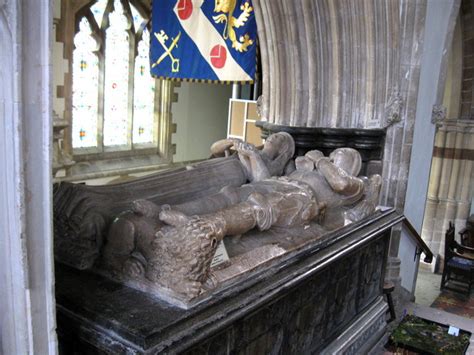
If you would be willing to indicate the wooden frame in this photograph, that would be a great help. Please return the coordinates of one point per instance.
(248, 116)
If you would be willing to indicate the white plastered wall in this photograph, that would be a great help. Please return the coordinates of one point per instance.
(200, 116)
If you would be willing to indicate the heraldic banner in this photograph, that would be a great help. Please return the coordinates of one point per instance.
(203, 40)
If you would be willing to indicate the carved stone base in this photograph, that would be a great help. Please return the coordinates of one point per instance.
(363, 334)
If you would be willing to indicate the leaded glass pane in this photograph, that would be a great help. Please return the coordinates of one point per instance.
(144, 94)
(85, 90)
(137, 18)
(98, 10)
(117, 56)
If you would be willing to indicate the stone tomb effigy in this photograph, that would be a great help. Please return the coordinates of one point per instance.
(306, 256)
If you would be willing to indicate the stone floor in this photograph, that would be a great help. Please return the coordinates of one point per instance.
(427, 287)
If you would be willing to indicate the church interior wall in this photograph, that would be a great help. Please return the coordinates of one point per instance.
(200, 115)
(439, 28)
(451, 184)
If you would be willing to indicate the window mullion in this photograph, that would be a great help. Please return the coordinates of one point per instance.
(100, 115)
(131, 84)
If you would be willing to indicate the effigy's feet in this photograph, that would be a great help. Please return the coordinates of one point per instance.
(183, 253)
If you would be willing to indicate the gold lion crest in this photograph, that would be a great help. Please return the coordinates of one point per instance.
(228, 7)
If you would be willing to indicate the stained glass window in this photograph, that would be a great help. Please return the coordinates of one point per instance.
(138, 19)
(114, 95)
(98, 10)
(117, 64)
(85, 94)
(144, 94)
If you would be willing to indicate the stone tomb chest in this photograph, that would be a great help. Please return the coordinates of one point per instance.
(134, 276)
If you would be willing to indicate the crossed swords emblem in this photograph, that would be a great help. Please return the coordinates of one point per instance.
(162, 37)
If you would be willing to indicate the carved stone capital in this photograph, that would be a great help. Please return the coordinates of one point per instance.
(393, 108)
(438, 114)
(261, 110)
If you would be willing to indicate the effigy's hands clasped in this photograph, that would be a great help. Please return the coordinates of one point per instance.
(223, 146)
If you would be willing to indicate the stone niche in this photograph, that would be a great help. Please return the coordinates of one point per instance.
(299, 289)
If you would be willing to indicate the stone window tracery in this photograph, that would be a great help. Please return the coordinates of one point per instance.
(115, 102)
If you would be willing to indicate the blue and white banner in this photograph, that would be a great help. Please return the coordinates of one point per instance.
(206, 40)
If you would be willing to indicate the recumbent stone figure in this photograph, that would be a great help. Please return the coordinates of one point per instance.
(173, 246)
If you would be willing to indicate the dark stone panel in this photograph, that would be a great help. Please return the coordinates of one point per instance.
(369, 142)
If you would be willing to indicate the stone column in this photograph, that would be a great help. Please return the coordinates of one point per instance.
(451, 182)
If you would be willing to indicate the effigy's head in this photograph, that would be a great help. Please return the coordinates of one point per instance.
(279, 144)
(348, 159)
